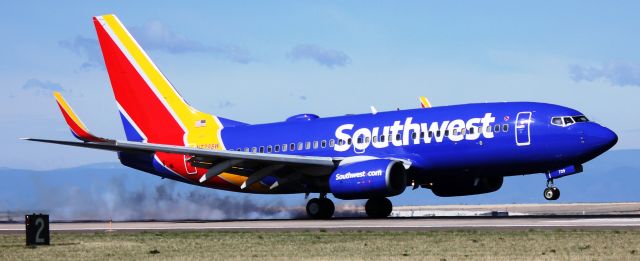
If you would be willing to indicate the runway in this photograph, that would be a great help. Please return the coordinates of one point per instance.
(389, 224)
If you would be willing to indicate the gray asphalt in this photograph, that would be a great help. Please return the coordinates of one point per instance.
(390, 224)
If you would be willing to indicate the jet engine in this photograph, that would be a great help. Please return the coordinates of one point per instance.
(374, 178)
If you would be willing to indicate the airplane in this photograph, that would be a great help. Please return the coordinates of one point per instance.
(452, 150)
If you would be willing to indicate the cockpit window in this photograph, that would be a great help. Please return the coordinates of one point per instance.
(568, 121)
(564, 121)
(580, 118)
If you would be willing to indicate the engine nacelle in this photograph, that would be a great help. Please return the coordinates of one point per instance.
(466, 186)
(368, 179)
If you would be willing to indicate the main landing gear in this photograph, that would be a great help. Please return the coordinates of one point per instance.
(551, 192)
(320, 208)
(378, 207)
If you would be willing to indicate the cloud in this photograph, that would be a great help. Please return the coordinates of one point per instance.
(323, 56)
(154, 35)
(158, 37)
(87, 48)
(618, 73)
(38, 86)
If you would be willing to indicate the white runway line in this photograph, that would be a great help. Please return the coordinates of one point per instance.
(363, 224)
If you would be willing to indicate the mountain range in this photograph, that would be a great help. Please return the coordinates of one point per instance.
(111, 191)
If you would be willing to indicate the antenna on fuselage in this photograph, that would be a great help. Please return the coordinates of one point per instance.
(373, 110)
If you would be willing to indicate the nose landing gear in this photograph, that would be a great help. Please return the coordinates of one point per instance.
(551, 192)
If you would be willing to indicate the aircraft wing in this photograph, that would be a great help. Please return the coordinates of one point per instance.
(250, 164)
(78, 129)
(219, 161)
(128, 146)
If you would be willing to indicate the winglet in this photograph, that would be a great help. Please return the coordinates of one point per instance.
(424, 102)
(78, 128)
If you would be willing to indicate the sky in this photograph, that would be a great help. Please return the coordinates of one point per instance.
(259, 61)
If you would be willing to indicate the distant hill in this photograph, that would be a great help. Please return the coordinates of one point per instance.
(109, 190)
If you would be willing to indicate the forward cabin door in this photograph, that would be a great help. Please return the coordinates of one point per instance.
(523, 125)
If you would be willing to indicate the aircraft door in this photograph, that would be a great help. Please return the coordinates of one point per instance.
(522, 130)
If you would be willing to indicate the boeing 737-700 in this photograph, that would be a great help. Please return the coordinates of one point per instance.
(451, 150)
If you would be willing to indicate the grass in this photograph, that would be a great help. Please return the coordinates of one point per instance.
(432, 245)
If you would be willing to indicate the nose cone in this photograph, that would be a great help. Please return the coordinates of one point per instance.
(601, 138)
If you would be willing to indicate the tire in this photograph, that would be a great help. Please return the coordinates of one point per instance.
(327, 208)
(551, 193)
(314, 208)
(378, 207)
(556, 193)
(548, 194)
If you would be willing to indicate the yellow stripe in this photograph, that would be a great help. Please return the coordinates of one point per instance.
(425, 103)
(69, 111)
(187, 115)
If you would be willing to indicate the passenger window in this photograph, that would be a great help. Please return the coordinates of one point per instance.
(331, 143)
(315, 144)
(471, 131)
(299, 145)
(398, 137)
(464, 131)
(505, 127)
(269, 149)
(413, 135)
(438, 133)
(374, 139)
(292, 147)
(254, 150)
(366, 139)
(359, 140)
(349, 141)
(307, 145)
(496, 128)
(261, 149)
(284, 147)
(430, 134)
(246, 149)
(382, 138)
(488, 129)
(276, 148)
(323, 144)
(446, 133)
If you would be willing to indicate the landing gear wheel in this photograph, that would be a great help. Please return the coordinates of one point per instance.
(378, 207)
(327, 208)
(313, 208)
(551, 193)
(320, 208)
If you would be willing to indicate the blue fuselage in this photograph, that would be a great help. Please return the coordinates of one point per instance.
(488, 139)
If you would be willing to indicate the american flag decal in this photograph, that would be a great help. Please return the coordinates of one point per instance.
(201, 123)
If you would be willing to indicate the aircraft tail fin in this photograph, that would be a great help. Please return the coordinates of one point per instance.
(78, 129)
(150, 107)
